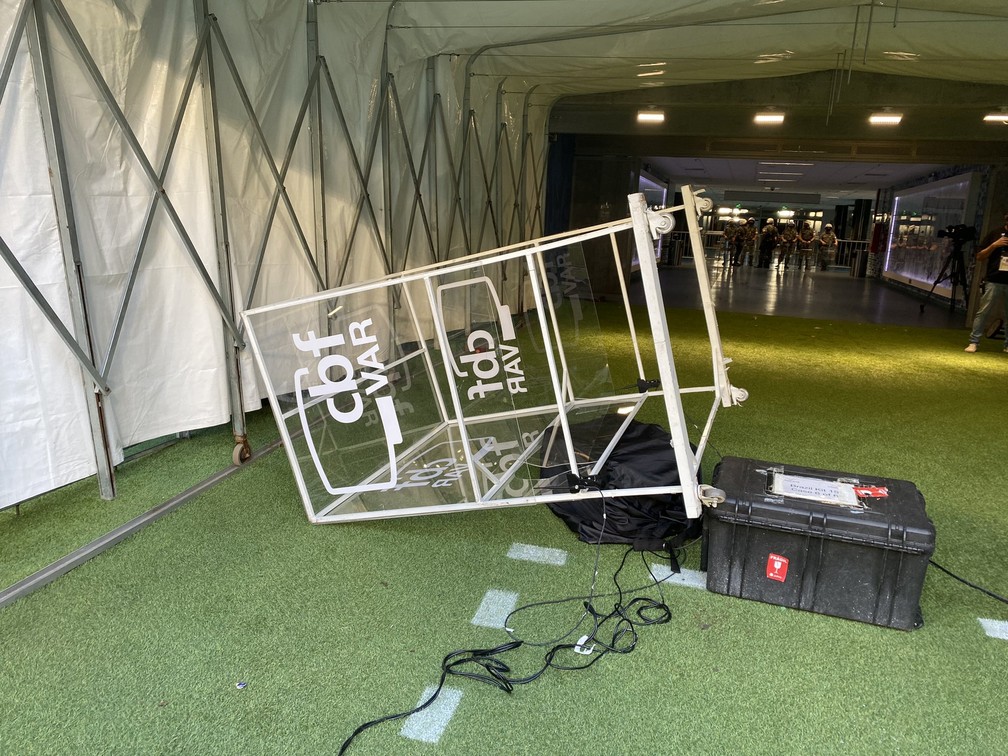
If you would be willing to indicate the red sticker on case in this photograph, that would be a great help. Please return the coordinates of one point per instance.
(776, 567)
(871, 492)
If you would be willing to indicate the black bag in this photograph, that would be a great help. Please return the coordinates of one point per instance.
(643, 458)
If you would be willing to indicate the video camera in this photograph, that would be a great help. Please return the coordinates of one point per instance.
(958, 234)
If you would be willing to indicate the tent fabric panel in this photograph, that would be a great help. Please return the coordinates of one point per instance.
(46, 439)
(169, 368)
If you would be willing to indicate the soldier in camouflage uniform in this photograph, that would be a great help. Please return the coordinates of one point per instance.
(827, 247)
(788, 241)
(729, 241)
(745, 242)
(768, 242)
(805, 239)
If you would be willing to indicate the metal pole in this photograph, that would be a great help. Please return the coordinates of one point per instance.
(225, 270)
(365, 199)
(264, 145)
(13, 41)
(686, 463)
(142, 159)
(38, 43)
(315, 132)
(148, 224)
(414, 173)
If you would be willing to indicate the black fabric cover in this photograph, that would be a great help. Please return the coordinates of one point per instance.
(644, 457)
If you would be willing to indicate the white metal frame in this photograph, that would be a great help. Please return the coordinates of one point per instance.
(489, 488)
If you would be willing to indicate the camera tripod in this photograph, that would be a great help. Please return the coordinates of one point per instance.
(954, 270)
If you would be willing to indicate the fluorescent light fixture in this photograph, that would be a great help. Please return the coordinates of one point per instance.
(996, 118)
(781, 162)
(660, 72)
(768, 118)
(650, 116)
(778, 181)
(651, 65)
(901, 55)
(780, 173)
(885, 118)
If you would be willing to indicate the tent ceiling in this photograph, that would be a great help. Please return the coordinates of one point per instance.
(835, 182)
(711, 63)
(623, 46)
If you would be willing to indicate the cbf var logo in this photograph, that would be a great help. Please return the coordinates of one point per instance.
(492, 361)
(345, 379)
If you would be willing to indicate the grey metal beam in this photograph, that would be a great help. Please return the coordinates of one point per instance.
(264, 145)
(16, 33)
(456, 204)
(414, 173)
(225, 267)
(127, 293)
(145, 164)
(38, 44)
(317, 151)
(275, 201)
(358, 172)
(477, 144)
(365, 198)
(54, 320)
(62, 566)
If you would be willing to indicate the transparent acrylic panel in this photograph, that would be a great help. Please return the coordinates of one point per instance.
(472, 383)
(581, 342)
(350, 387)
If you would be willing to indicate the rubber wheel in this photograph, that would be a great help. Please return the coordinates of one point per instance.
(241, 453)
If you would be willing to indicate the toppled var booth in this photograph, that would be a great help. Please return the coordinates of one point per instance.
(446, 388)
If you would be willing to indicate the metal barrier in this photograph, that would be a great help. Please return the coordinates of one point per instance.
(850, 253)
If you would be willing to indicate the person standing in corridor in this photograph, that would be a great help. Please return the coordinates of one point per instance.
(805, 239)
(994, 252)
(827, 247)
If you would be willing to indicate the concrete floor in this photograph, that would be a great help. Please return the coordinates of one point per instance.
(828, 295)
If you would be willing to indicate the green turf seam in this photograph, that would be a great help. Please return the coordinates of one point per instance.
(62, 566)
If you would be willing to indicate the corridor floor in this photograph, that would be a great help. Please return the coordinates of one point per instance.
(802, 294)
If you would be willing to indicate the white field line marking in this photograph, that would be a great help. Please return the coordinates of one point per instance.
(428, 725)
(539, 554)
(995, 628)
(495, 608)
(688, 578)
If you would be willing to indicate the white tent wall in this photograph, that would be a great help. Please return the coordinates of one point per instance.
(46, 439)
(405, 89)
(168, 371)
(165, 357)
(260, 73)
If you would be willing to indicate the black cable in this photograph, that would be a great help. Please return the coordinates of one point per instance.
(964, 581)
(490, 669)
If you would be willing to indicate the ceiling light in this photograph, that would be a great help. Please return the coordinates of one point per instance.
(779, 181)
(650, 116)
(651, 65)
(901, 55)
(885, 118)
(779, 173)
(777, 162)
(651, 73)
(996, 118)
(768, 117)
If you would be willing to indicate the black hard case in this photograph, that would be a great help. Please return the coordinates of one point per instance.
(864, 563)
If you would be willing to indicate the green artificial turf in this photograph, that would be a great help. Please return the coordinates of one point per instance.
(140, 649)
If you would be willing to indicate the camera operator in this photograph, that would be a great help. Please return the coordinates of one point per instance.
(993, 249)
